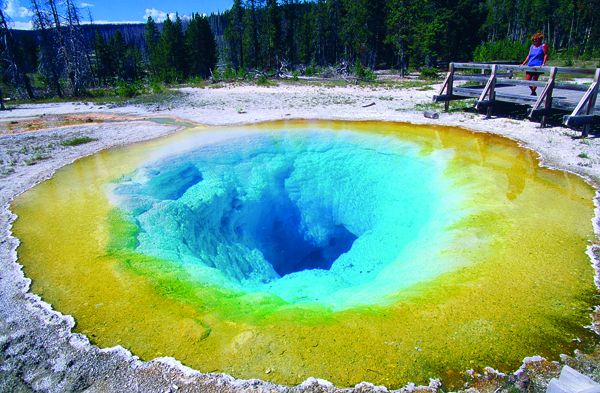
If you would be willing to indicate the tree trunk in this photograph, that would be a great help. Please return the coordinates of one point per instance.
(19, 76)
(47, 48)
(63, 47)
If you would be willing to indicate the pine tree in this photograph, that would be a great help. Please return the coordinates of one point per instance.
(309, 37)
(376, 49)
(131, 70)
(234, 35)
(290, 30)
(333, 14)
(171, 52)
(354, 29)
(179, 50)
(252, 48)
(104, 65)
(201, 46)
(151, 38)
(400, 31)
(272, 34)
(117, 50)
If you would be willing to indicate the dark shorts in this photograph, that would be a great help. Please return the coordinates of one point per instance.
(533, 75)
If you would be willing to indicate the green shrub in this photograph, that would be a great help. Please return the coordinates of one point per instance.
(363, 73)
(566, 57)
(217, 75)
(429, 73)
(229, 74)
(168, 76)
(504, 49)
(195, 80)
(80, 140)
(128, 89)
(262, 80)
(311, 70)
(157, 87)
(295, 75)
(369, 75)
(98, 93)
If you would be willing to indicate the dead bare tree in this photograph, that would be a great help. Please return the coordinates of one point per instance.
(63, 51)
(49, 63)
(11, 58)
(77, 48)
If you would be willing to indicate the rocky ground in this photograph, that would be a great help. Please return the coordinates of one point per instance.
(38, 352)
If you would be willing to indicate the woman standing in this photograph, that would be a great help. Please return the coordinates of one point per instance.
(538, 55)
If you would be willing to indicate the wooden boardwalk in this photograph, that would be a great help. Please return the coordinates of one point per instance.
(489, 83)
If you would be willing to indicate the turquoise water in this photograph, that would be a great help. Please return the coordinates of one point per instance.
(334, 218)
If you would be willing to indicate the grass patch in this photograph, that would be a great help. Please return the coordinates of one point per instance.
(263, 80)
(35, 159)
(455, 106)
(123, 94)
(583, 155)
(80, 140)
(429, 73)
(412, 84)
(426, 106)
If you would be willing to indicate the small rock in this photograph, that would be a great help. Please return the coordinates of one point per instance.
(431, 115)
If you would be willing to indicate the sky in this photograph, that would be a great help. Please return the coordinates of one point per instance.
(124, 11)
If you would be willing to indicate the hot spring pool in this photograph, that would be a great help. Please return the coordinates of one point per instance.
(349, 251)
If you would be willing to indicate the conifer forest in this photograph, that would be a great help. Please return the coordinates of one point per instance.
(67, 54)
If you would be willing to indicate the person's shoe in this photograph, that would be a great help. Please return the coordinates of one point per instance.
(533, 93)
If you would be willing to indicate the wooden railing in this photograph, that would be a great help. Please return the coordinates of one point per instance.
(582, 112)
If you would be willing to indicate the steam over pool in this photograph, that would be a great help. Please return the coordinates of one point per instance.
(351, 252)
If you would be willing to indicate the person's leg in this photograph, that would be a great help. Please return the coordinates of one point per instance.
(534, 77)
(528, 77)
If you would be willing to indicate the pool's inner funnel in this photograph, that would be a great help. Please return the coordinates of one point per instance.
(273, 226)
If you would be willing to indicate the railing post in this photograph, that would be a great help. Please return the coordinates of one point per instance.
(492, 93)
(489, 91)
(447, 86)
(450, 86)
(588, 101)
(591, 103)
(548, 89)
